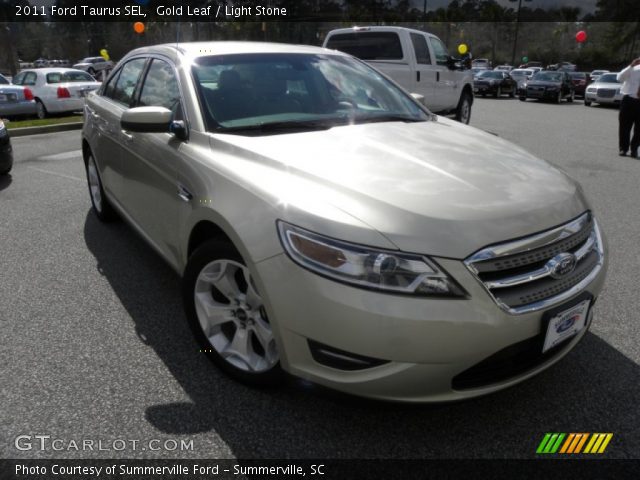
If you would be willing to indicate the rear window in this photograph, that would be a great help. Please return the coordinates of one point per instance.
(64, 77)
(3, 81)
(368, 45)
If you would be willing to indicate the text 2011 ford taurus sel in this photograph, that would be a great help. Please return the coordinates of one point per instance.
(327, 225)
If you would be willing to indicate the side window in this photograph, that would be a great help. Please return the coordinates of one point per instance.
(110, 87)
(127, 81)
(421, 49)
(160, 88)
(17, 80)
(29, 79)
(442, 55)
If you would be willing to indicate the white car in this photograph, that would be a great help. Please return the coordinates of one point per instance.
(605, 90)
(93, 65)
(596, 74)
(57, 90)
(504, 68)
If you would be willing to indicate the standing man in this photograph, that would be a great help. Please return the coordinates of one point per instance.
(629, 109)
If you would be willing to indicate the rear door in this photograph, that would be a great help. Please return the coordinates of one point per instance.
(447, 87)
(425, 71)
(104, 113)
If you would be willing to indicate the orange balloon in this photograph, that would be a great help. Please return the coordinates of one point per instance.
(138, 27)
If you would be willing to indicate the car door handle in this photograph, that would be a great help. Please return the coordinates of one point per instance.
(127, 136)
(184, 194)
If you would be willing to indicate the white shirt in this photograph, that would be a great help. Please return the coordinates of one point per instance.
(630, 78)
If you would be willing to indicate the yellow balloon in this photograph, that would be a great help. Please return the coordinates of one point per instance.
(462, 49)
(104, 54)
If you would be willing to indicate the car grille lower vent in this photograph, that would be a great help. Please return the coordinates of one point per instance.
(535, 272)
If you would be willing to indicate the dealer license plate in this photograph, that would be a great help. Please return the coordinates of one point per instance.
(566, 324)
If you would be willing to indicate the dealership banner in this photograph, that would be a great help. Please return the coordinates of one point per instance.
(317, 469)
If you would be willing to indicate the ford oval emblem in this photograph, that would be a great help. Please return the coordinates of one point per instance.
(566, 324)
(561, 265)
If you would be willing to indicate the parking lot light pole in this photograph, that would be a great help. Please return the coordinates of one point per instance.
(515, 39)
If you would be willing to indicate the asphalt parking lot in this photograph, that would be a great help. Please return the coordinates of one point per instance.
(94, 343)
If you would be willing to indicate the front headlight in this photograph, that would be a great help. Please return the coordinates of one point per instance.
(3, 129)
(386, 270)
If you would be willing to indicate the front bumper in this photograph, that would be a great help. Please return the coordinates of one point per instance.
(485, 89)
(594, 97)
(545, 94)
(426, 342)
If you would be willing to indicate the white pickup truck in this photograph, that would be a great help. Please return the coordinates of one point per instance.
(418, 61)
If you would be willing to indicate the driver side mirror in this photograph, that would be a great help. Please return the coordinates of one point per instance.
(147, 120)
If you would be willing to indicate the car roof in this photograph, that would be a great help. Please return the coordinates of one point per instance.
(200, 49)
(377, 28)
(44, 71)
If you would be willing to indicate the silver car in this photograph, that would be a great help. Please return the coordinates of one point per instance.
(605, 90)
(15, 101)
(325, 224)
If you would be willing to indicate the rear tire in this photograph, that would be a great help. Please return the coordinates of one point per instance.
(587, 103)
(227, 315)
(41, 110)
(101, 206)
(463, 112)
(571, 97)
(523, 99)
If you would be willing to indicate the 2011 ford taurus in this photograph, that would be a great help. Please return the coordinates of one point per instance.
(326, 224)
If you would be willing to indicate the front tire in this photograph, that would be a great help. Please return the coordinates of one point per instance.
(523, 99)
(587, 103)
(101, 206)
(571, 97)
(227, 315)
(497, 93)
(463, 112)
(559, 98)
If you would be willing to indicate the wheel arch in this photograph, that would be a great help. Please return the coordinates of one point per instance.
(204, 231)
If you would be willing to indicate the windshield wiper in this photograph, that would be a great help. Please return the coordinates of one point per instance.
(304, 125)
(388, 118)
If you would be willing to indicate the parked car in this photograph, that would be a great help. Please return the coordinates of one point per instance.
(494, 82)
(93, 65)
(477, 70)
(41, 63)
(15, 101)
(596, 73)
(605, 90)
(549, 85)
(580, 81)
(326, 224)
(416, 60)
(535, 69)
(481, 62)
(57, 90)
(504, 68)
(6, 153)
(521, 75)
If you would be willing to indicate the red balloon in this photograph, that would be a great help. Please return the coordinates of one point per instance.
(581, 36)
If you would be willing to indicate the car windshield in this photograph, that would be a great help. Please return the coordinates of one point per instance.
(491, 74)
(608, 78)
(3, 81)
(548, 77)
(578, 75)
(66, 77)
(272, 91)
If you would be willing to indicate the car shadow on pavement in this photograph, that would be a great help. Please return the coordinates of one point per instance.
(5, 181)
(594, 389)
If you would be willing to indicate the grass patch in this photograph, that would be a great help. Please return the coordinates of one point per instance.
(43, 122)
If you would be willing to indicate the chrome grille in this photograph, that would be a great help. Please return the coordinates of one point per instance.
(606, 92)
(535, 272)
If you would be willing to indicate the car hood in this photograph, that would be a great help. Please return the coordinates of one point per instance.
(606, 85)
(543, 83)
(438, 187)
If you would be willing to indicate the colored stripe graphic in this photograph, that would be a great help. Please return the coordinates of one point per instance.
(573, 443)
